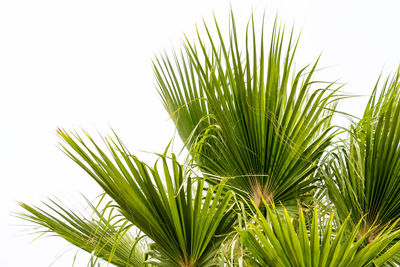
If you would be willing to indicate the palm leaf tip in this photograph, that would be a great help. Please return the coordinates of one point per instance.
(103, 232)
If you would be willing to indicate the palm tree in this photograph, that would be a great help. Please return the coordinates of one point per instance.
(258, 132)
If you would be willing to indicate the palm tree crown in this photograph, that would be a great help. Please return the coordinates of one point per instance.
(261, 140)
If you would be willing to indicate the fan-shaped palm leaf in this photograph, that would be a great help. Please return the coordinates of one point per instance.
(185, 227)
(279, 241)
(363, 177)
(245, 115)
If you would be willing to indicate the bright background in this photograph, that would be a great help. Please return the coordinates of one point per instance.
(87, 64)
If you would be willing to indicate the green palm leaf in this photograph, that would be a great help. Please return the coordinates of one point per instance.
(279, 241)
(363, 176)
(185, 219)
(247, 115)
(105, 234)
(258, 130)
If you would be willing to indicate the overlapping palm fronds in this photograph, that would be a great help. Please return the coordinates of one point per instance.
(363, 177)
(104, 233)
(183, 218)
(259, 132)
(247, 115)
(280, 241)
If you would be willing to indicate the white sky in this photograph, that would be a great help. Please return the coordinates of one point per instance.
(87, 64)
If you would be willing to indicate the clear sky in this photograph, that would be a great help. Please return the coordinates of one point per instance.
(87, 65)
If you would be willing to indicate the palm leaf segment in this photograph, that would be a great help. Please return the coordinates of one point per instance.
(279, 241)
(363, 178)
(245, 115)
(105, 233)
(184, 226)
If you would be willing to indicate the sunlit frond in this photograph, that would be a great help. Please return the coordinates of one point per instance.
(104, 232)
(278, 240)
(363, 177)
(185, 219)
(246, 114)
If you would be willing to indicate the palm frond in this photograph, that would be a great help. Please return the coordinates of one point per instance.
(183, 218)
(247, 115)
(363, 177)
(104, 233)
(277, 240)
